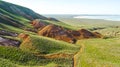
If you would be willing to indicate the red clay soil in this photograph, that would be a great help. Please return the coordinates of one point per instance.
(57, 32)
(23, 36)
(98, 35)
(85, 34)
(38, 24)
(70, 36)
(88, 34)
(26, 43)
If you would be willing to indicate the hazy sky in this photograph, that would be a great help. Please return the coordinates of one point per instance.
(71, 6)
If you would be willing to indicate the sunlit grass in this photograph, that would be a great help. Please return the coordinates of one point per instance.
(99, 53)
(48, 45)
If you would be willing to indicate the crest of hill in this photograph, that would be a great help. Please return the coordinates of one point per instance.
(18, 16)
(20, 11)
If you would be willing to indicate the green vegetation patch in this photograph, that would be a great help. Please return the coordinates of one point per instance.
(6, 63)
(25, 59)
(45, 45)
(100, 52)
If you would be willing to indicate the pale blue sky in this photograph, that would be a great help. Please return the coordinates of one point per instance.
(71, 6)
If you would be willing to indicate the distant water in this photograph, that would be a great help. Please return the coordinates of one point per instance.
(105, 17)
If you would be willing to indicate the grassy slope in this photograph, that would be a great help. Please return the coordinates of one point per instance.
(6, 63)
(98, 52)
(87, 58)
(22, 58)
(48, 45)
(15, 17)
(18, 17)
(65, 25)
(89, 23)
(107, 28)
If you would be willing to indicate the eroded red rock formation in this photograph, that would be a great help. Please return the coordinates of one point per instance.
(57, 32)
(38, 24)
(85, 34)
(98, 35)
(23, 36)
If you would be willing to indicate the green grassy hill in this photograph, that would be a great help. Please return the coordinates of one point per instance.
(105, 27)
(48, 52)
(20, 11)
(98, 52)
(20, 17)
(45, 46)
(39, 51)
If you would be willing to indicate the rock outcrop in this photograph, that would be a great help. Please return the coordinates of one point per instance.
(98, 35)
(23, 36)
(8, 33)
(9, 42)
(70, 36)
(57, 32)
(85, 34)
(37, 24)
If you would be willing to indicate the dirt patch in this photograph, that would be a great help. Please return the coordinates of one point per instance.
(75, 58)
(59, 55)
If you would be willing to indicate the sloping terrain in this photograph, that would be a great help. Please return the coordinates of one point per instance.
(20, 11)
(34, 50)
(98, 52)
(30, 39)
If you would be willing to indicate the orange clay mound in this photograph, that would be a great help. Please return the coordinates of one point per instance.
(57, 32)
(38, 24)
(26, 44)
(85, 34)
(23, 36)
(98, 35)
(70, 36)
